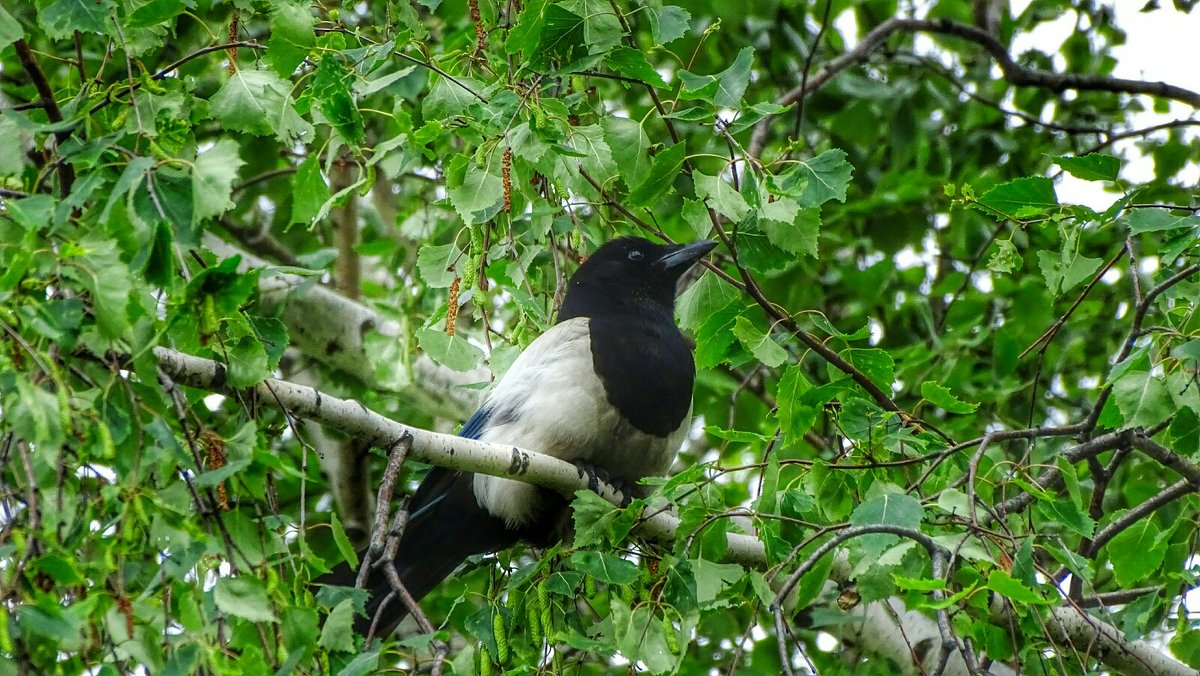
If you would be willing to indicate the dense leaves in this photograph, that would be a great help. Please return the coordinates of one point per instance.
(917, 330)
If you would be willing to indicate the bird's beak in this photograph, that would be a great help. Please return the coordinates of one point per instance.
(682, 256)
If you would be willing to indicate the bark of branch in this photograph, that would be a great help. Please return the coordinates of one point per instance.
(332, 329)
(66, 172)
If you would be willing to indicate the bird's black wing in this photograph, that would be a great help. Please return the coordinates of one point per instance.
(446, 525)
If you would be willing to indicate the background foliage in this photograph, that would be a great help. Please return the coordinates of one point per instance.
(905, 328)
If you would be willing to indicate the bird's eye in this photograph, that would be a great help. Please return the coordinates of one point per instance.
(635, 255)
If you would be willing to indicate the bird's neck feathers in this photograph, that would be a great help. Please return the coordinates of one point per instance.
(598, 300)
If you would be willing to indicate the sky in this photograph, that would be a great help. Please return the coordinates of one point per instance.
(1156, 50)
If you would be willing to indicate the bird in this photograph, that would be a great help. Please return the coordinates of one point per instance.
(607, 387)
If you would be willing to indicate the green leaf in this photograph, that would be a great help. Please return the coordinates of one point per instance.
(605, 567)
(222, 474)
(816, 181)
(243, 597)
(874, 363)
(1185, 433)
(1143, 399)
(1157, 220)
(758, 343)
(337, 634)
(453, 352)
(292, 36)
(258, 102)
(1091, 167)
(525, 35)
(10, 133)
(447, 98)
(594, 153)
(708, 295)
(632, 63)
(1022, 197)
(331, 88)
(61, 19)
(668, 23)
(102, 273)
(941, 397)
(1063, 271)
(630, 148)
(155, 12)
(1003, 584)
(790, 227)
(1136, 552)
(473, 190)
(594, 518)
(713, 578)
(342, 541)
(1005, 258)
(638, 635)
(438, 264)
(274, 337)
(53, 624)
(309, 190)
(1068, 514)
(889, 509)
(10, 32)
(721, 196)
(795, 415)
(664, 168)
(213, 176)
(601, 28)
(247, 363)
(725, 89)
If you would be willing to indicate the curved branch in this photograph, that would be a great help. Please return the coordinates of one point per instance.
(1141, 511)
(1014, 73)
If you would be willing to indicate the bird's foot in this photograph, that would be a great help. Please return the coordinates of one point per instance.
(597, 475)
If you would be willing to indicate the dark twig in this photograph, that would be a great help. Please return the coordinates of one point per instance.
(1117, 598)
(1141, 511)
(66, 172)
(808, 62)
(387, 485)
(170, 68)
(1135, 330)
(1048, 336)
(1169, 458)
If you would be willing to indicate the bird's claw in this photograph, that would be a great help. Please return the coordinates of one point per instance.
(597, 475)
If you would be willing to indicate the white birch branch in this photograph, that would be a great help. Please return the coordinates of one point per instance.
(445, 450)
(332, 329)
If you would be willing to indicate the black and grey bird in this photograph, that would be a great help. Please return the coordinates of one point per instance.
(608, 387)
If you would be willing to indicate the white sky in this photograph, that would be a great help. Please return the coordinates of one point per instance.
(1159, 47)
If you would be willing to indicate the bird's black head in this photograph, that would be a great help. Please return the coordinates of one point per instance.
(630, 275)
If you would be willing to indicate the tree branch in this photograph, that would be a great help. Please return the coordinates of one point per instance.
(337, 337)
(1014, 73)
(445, 450)
(66, 172)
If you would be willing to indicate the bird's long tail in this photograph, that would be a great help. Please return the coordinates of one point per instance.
(446, 525)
